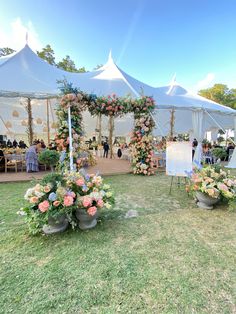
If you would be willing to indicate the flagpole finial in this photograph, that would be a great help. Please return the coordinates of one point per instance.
(26, 38)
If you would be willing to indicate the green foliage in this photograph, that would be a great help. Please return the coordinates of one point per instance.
(52, 178)
(221, 94)
(49, 157)
(98, 66)
(47, 54)
(67, 64)
(6, 51)
(220, 139)
(219, 152)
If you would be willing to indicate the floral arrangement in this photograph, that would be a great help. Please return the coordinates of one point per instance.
(112, 105)
(142, 145)
(77, 101)
(213, 181)
(58, 195)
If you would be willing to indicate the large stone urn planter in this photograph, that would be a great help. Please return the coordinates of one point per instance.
(205, 201)
(86, 221)
(56, 225)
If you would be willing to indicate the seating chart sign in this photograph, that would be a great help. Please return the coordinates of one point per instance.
(179, 159)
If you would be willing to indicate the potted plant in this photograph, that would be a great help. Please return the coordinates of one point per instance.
(50, 206)
(212, 184)
(49, 158)
(62, 199)
(219, 153)
(92, 196)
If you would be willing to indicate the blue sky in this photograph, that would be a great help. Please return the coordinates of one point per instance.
(150, 40)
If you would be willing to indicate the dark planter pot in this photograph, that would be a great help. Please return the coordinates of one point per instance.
(205, 201)
(56, 225)
(86, 221)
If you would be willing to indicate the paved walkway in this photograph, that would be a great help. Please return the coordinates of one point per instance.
(105, 166)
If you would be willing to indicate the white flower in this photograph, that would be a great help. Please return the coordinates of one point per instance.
(106, 187)
(107, 205)
(109, 194)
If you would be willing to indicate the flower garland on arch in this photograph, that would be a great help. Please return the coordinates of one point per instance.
(77, 101)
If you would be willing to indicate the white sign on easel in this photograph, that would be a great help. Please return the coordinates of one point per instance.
(179, 159)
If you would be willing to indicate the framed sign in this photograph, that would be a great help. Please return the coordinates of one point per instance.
(179, 159)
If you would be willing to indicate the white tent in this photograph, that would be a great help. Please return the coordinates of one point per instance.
(191, 113)
(24, 74)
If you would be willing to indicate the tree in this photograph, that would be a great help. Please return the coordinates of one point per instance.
(6, 51)
(47, 54)
(68, 64)
(98, 66)
(221, 94)
(81, 70)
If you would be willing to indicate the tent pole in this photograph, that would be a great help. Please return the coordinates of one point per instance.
(111, 128)
(172, 123)
(30, 121)
(70, 141)
(48, 123)
(99, 128)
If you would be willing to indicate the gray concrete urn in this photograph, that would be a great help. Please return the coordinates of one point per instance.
(56, 225)
(205, 201)
(86, 221)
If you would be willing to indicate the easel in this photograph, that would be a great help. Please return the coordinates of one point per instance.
(178, 182)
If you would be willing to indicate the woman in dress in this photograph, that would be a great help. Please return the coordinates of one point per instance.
(31, 157)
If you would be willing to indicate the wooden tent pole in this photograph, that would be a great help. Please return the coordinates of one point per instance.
(30, 121)
(48, 123)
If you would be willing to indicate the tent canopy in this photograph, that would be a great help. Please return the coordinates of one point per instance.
(24, 74)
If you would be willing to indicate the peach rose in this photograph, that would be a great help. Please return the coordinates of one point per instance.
(47, 189)
(92, 210)
(44, 206)
(34, 200)
(56, 203)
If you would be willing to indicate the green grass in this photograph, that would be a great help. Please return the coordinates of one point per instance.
(172, 258)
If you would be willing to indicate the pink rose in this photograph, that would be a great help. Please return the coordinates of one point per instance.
(79, 182)
(68, 200)
(56, 203)
(87, 201)
(43, 207)
(100, 203)
(92, 210)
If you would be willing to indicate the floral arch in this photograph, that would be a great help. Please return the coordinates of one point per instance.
(70, 129)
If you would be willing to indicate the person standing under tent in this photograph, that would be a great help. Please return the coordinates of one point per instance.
(31, 157)
(106, 149)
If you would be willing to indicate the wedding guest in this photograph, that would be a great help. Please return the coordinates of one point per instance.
(119, 152)
(106, 149)
(14, 144)
(31, 157)
(9, 144)
(2, 160)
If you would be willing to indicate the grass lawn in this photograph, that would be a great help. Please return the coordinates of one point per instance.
(172, 258)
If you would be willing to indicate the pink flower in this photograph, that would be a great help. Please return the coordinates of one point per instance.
(43, 207)
(87, 201)
(56, 203)
(100, 203)
(79, 182)
(68, 200)
(92, 210)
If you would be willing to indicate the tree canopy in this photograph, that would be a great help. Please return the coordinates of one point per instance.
(47, 53)
(6, 51)
(221, 94)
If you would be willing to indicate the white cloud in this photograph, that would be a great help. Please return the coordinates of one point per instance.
(15, 36)
(206, 82)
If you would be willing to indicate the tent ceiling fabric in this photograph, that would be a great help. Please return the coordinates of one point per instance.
(24, 74)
